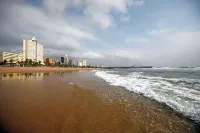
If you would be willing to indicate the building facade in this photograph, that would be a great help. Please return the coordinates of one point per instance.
(20, 57)
(64, 59)
(50, 61)
(9, 57)
(74, 62)
(84, 63)
(80, 64)
(32, 50)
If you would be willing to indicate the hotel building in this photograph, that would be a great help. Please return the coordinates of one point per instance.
(84, 63)
(32, 50)
(74, 62)
(50, 61)
(64, 59)
(9, 56)
(80, 64)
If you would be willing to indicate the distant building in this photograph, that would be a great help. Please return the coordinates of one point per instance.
(70, 62)
(32, 50)
(74, 62)
(8, 57)
(84, 63)
(44, 60)
(54, 61)
(64, 59)
(80, 64)
(50, 61)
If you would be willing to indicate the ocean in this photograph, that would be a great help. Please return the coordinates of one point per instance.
(178, 88)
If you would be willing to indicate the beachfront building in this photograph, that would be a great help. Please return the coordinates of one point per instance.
(20, 57)
(9, 57)
(74, 62)
(50, 61)
(53, 61)
(80, 64)
(44, 60)
(84, 63)
(64, 59)
(32, 50)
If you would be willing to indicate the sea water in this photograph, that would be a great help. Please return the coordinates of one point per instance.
(178, 88)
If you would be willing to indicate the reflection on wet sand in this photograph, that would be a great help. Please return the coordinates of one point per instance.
(52, 105)
(23, 76)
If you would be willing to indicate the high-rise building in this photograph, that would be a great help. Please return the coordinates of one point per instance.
(84, 63)
(80, 64)
(50, 61)
(9, 57)
(74, 62)
(64, 59)
(32, 50)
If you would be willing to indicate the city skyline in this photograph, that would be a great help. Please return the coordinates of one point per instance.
(33, 51)
(108, 33)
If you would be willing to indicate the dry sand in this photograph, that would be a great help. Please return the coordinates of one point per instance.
(53, 104)
(39, 69)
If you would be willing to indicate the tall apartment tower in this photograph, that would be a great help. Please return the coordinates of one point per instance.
(64, 59)
(74, 62)
(32, 50)
(84, 63)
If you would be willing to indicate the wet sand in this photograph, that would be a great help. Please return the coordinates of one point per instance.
(39, 69)
(79, 102)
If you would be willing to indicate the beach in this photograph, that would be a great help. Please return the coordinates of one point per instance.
(49, 101)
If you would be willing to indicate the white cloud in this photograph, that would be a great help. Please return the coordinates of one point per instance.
(103, 19)
(52, 31)
(138, 2)
(125, 18)
(167, 47)
(175, 48)
(137, 40)
(54, 6)
(98, 11)
(162, 32)
(91, 55)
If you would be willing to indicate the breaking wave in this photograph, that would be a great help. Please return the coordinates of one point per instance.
(181, 94)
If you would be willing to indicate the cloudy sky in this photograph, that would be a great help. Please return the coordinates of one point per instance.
(106, 32)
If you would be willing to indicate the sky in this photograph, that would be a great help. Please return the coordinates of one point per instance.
(106, 32)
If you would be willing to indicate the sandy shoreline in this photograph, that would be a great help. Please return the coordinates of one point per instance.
(39, 69)
(78, 102)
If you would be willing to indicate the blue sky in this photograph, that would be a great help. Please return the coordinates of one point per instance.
(107, 32)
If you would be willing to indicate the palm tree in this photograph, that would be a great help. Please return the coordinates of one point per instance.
(30, 62)
(5, 62)
(27, 61)
(11, 61)
(39, 63)
(35, 64)
(22, 63)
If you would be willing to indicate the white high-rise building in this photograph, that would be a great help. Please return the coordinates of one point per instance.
(80, 64)
(32, 50)
(64, 59)
(84, 63)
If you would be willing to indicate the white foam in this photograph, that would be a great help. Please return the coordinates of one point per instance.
(179, 97)
(174, 68)
(71, 83)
